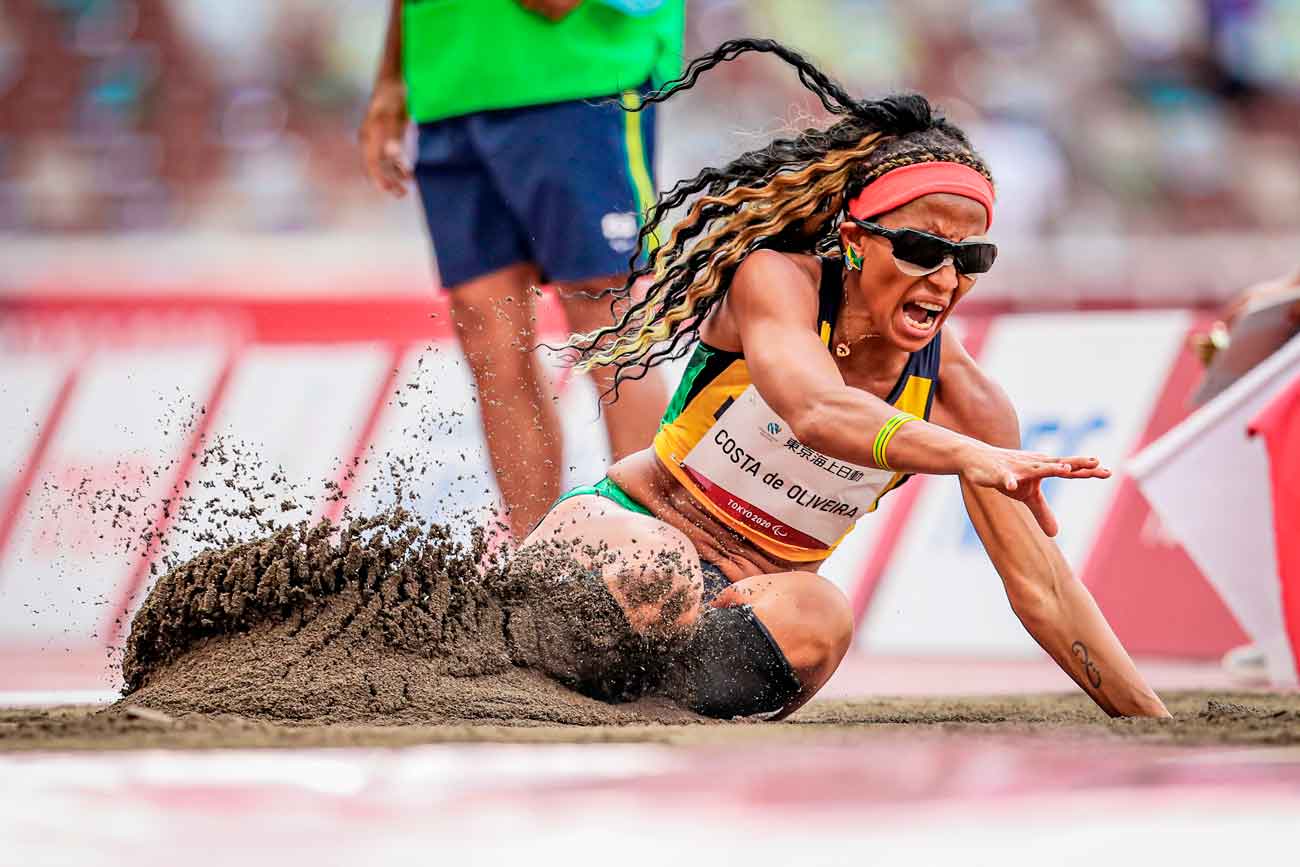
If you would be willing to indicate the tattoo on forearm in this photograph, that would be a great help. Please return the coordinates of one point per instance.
(1090, 670)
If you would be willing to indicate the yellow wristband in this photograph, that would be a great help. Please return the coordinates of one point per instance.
(886, 434)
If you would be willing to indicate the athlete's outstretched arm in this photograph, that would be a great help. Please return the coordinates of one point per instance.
(1054, 606)
(774, 305)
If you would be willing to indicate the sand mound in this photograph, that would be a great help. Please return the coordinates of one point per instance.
(386, 620)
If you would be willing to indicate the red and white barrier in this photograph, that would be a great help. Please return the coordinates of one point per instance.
(1214, 488)
(122, 390)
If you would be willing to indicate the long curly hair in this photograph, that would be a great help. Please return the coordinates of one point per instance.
(788, 196)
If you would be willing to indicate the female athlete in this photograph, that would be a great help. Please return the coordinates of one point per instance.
(817, 275)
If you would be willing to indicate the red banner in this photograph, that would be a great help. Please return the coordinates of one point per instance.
(1279, 424)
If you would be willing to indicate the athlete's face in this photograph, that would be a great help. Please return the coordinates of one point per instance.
(906, 310)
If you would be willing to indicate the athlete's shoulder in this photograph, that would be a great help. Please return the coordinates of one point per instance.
(970, 401)
(765, 261)
(767, 286)
(770, 280)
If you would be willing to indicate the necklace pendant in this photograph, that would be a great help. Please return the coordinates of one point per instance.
(842, 350)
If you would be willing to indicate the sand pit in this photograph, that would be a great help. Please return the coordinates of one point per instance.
(389, 632)
(1200, 719)
(386, 631)
(386, 621)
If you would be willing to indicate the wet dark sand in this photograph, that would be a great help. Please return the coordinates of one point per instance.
(1200, 719)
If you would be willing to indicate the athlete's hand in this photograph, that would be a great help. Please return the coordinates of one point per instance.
(381, 137)
(552, 9)
(1019, 475)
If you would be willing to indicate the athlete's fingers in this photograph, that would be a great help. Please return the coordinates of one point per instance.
(1080, 467)
(1065, 468)
(1042, 469)
(1042, 513)
(1095, 473)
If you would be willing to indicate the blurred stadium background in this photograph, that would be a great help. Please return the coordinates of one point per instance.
(130, 115)
(1123, 122)
(184, 223)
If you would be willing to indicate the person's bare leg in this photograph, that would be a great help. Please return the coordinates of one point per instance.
(650, 568)
(652, 571)
(494, 321)
(632, 420)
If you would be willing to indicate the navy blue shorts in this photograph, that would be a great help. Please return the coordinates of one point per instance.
(563, 186)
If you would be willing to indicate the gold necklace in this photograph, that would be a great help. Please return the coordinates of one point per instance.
(842, 349)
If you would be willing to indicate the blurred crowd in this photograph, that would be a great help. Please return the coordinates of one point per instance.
(1107, 116)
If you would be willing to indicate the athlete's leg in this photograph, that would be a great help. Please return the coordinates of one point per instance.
(631, 421)
(493, 317)
(806, 615)
(651, 569)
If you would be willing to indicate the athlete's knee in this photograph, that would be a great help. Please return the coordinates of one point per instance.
(830, 606)
(659, 591)
(650, 568)
(657, 601)
(808, 616)
(824, 628)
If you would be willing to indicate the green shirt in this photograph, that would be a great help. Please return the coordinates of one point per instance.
(465, 56)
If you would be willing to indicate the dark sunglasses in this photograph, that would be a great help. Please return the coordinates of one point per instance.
(927, 253)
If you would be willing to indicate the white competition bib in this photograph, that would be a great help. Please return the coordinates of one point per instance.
(749, 465)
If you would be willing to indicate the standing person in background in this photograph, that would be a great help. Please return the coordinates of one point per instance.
(529, 171)
(1206, 344)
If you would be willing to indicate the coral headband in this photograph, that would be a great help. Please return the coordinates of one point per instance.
(896, 188)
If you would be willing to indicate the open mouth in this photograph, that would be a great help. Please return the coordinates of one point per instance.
(922, 315)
